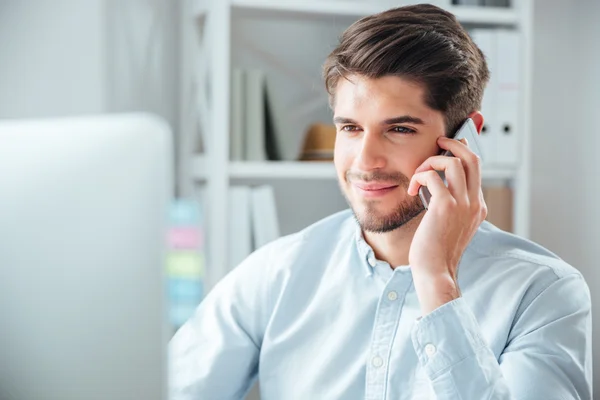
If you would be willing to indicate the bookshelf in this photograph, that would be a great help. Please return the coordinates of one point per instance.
(211, 50)
(307, 170)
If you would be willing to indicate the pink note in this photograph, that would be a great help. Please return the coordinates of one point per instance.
(184, 238)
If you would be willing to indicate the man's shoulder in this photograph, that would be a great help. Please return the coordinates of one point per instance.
(512, 272)
(319, 238)
(324, 231)
(298, 257)
(341, 223)
(509, 250)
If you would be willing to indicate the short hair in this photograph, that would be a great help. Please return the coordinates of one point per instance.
(421, 43)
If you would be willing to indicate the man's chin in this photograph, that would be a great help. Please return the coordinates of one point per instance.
(377, 222)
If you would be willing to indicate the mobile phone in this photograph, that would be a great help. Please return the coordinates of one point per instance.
(468, 131)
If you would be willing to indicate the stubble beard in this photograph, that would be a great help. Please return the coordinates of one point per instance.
(372, 220)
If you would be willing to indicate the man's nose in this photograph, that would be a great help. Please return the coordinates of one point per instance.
(372, 152)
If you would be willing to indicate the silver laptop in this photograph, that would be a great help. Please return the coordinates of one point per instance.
(83, 206)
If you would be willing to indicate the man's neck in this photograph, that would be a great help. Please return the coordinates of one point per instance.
(393, 247)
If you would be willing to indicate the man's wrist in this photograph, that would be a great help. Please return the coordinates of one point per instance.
(434, 291)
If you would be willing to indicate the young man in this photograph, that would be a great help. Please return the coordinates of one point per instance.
(390, 301)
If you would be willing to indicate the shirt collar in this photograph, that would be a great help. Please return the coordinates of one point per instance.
(367, 254)
(364, 250)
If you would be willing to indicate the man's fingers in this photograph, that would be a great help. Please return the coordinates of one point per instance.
(471, 164)
(454, 173)
(431, 179)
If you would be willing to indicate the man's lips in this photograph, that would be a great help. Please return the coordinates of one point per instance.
(374, 186)
(373, 190)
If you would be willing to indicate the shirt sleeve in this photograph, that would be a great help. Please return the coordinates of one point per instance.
(214, 355)
(548, 354)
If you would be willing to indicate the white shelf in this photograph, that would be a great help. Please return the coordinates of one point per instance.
(357, 9)
(306, 170)
(282, 169)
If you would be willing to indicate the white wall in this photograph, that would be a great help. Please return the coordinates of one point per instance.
(69, 57)
(566, 139)
(143, 56)
(74, 57)
(52, 58)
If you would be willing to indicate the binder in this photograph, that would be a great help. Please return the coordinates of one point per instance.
(508, 101)
(485, 39)
(238, 93)
(240, 230)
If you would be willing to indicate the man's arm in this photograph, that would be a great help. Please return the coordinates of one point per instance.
(215, 354)
(548, 355)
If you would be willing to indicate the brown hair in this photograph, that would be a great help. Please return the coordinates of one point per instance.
(422, 43)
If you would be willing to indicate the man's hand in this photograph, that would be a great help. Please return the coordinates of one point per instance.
(452, 218)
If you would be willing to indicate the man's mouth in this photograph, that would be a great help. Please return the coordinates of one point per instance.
(374, 189)
(374, 186)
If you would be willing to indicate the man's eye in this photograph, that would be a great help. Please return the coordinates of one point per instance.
(403, 129)
(350, 128)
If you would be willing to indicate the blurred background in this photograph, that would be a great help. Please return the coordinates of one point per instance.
(240, 86)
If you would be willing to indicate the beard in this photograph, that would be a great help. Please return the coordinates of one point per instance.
(370, 218)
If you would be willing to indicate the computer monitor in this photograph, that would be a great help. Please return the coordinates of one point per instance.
(83, 213)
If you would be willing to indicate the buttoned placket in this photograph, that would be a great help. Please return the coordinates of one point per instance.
(387, 317)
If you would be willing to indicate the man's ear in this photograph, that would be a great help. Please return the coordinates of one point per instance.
(477, 118)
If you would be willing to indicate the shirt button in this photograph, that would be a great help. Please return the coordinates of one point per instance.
(392, 295)
(430, 349)
(377, 361)
(372, 261)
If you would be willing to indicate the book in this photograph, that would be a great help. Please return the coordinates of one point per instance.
(239, 228)
(237, 141)
(255, 143)
(265, 224)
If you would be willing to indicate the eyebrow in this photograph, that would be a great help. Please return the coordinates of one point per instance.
(403, 119)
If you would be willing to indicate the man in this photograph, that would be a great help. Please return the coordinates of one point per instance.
(390, 301)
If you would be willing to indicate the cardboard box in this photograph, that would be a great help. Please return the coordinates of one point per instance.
(499, 200)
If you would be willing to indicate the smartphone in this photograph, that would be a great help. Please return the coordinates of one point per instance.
(468, 131)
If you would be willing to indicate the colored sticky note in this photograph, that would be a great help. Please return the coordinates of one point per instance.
(185, 290)
(185, 264)
(184, 238)
(185, 212)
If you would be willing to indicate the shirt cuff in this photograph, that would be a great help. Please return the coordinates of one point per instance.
(445, 337)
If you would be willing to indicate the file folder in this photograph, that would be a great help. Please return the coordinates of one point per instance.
(485, 39)
(508, 97)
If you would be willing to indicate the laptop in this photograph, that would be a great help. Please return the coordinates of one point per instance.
(83, 216)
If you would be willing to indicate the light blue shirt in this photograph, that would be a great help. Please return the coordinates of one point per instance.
(315, 316)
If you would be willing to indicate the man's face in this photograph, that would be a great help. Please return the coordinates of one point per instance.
(384, 132)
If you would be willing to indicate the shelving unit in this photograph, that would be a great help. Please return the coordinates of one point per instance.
(306, 170)
(215, 19)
